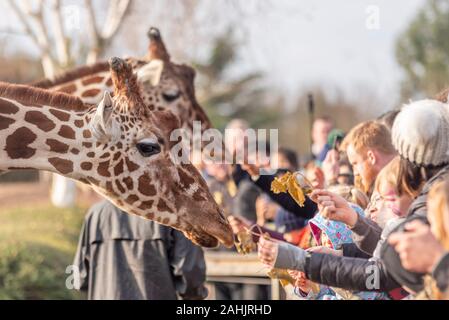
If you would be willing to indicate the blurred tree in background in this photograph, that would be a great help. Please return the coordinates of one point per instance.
(423, 51)
(225, 98)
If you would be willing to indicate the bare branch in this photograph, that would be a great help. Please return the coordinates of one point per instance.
(116, 13)
(43, 39)
(62, 50)
(23, 19)
(93, 33)
(13, 32)
(39, 37)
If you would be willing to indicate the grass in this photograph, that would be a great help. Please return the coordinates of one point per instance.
(36, 245)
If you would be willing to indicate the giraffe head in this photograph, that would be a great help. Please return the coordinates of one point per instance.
(166, 85)
(134, 168)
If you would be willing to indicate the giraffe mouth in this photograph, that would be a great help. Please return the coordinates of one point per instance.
(202, 239)
(210, 236)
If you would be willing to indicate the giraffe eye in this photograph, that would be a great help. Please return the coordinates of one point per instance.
(148, 149)
(172, 95)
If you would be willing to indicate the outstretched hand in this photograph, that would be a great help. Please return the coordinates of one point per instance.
(267, 251)
(239, 224)
(334, 207)
(418, 248)
(300, 280)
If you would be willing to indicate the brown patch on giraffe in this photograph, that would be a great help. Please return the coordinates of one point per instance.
(146, 204)
(87, 134)
(87, 144)
(128, 183)
(120, 186)
(105, 155)
(131, 199)
(103, 169)
(87, 166)
(118, 169)
(109, 187)
(92, 80)
(93, 181)
(185, 180)
(63, 116)
(7, 107)
(116, 156)
(61, 165)
(17, 144)
(198, 196)
(67, 132)
(75, 151)
(165, 221)
(5, 122)
(162, 205)
(57, 146)
(131, 165)
(84, 180)
(90, 154)
(145, 186)
(40, 120)
(109, 83)
(70, 88)
(79, 123)
(149, 215)
(90, 93)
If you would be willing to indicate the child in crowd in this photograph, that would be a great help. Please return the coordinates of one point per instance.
(329, 236)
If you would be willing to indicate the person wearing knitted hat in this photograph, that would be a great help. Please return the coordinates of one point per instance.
(420, 135)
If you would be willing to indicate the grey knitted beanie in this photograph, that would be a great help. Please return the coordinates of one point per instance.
(420, 133)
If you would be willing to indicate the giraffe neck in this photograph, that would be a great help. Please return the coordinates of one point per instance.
(44, 138)
(89, 88)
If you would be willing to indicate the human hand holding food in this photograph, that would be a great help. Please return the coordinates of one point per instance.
(267, 251)
(334, 207)
(238, 224)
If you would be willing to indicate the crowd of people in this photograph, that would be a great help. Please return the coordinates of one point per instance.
(393, 246)
(375, 226)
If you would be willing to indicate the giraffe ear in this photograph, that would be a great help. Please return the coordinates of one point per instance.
(101, 123)
(151, 72)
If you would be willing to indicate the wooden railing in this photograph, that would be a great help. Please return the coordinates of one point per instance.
(234, 268)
